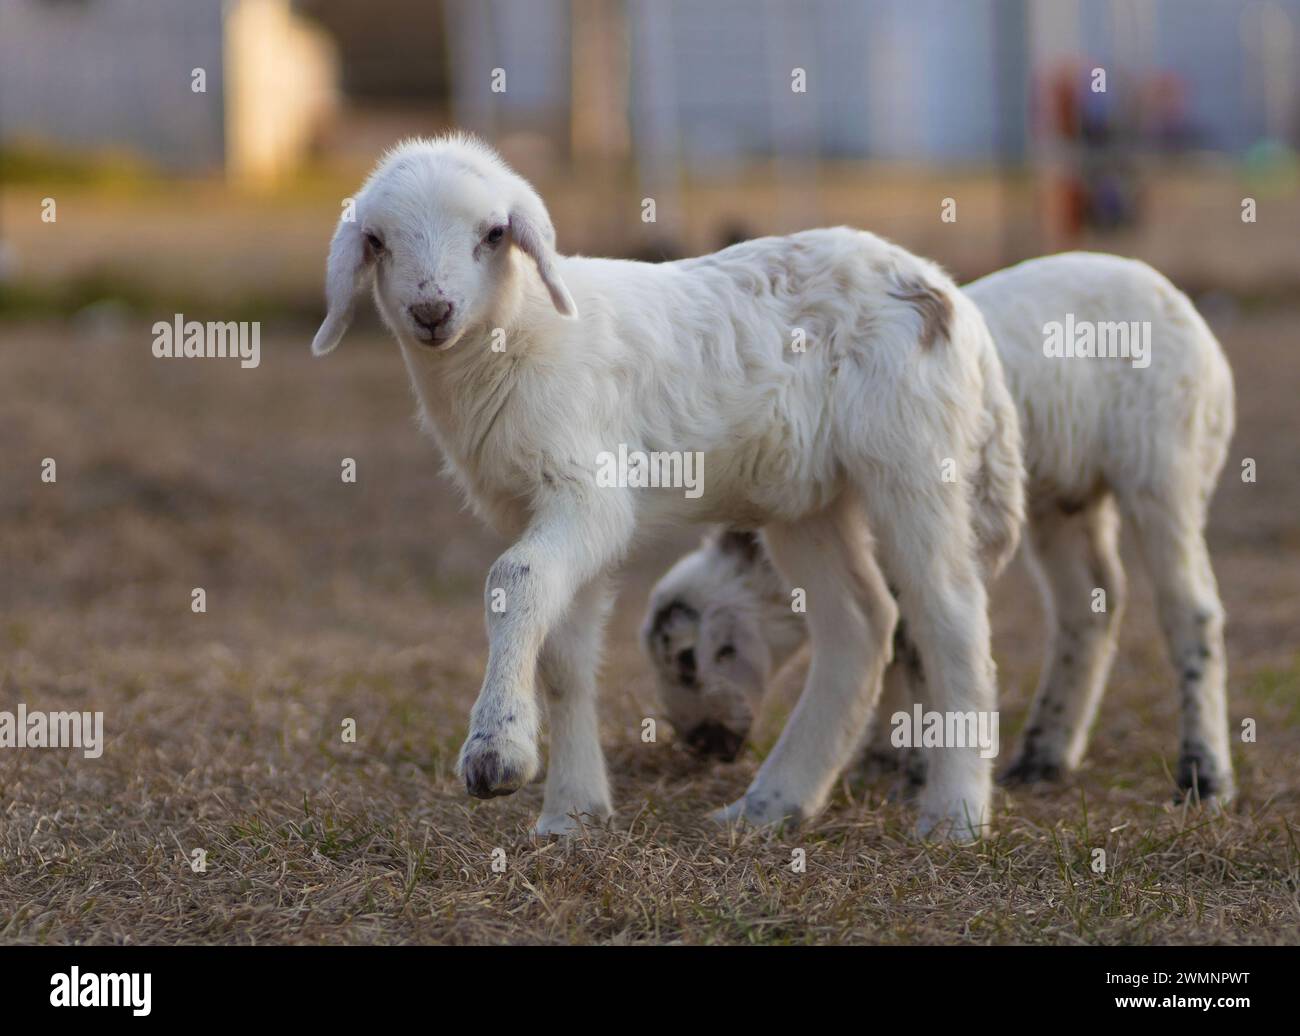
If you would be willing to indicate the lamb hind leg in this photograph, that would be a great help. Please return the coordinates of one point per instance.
(1077, 554)
(850, 620)
(927, 547)
(902, 685)
(1191, 616)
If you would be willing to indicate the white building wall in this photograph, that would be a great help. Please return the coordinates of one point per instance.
(113, 73)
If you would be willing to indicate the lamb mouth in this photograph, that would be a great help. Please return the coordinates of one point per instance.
(715, 740)
(433, 341)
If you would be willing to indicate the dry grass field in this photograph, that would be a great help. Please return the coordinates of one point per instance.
(328, 601)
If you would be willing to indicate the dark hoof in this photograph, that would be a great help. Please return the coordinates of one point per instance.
(486, 776)
(1195, 784)
(1029, 770)
(904, 769)
(883, 762)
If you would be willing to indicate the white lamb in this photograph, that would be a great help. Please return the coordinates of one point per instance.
(529, 365)
(1102, 437)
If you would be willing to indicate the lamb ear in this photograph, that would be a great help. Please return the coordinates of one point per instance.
(536, 238)
(345, 271)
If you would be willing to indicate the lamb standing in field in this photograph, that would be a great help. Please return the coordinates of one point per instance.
(898, 384)
(1102, 437)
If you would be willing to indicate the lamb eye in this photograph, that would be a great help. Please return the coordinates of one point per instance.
(373, 241)
(494, 235)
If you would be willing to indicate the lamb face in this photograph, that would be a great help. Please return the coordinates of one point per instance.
(436, 231)
(718, 626)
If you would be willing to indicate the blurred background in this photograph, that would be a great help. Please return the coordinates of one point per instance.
(225, 195)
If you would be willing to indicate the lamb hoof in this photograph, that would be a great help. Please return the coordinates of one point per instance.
(493, 767)
(1204, 787)
(572, 823)
(1028, 769)
(758, 811)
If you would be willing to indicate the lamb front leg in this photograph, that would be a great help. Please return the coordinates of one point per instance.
(529, 590)
(577, 788)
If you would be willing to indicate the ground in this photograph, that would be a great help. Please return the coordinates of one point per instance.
(329, 601)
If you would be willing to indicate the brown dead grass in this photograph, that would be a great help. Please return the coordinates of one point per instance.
(328, 601)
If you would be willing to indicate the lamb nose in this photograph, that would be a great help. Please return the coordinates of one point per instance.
(686, 665)
(431, 314)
